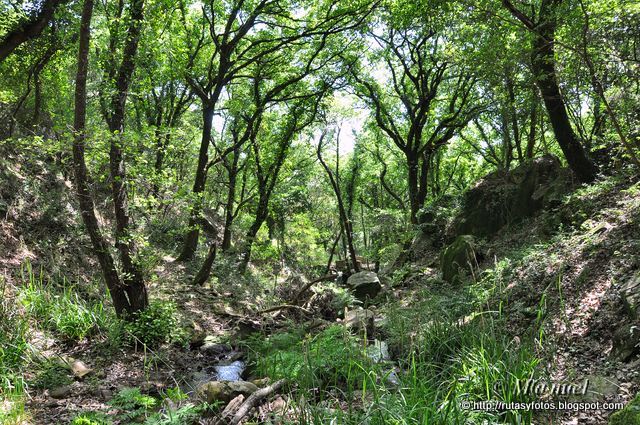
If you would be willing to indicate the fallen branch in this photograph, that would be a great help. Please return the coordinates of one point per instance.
(233, 405)
(306, 287)
(283, 307)
(253, 399)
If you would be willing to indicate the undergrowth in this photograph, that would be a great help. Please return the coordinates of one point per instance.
(446, 353)
(130, 406)
(60, 309)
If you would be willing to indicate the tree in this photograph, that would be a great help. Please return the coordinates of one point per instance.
(127, 298)
(30, 28)
(434, 98)
(543, 65)
(344, 211)
(231, 48)
(283, 127)
(132, 277)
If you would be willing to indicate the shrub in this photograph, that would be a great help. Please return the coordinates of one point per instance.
(132, 404)
(91, 418)
(51, 375)
(330, 359)
(156, 325)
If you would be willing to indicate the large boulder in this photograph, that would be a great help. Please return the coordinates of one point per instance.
(360, 320)
(626, 342)
(364, 285)
(630, 294)
(458, 257)
(505, 197)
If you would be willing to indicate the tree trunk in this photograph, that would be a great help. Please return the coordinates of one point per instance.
(100, 247)
(514, 118)
(205, 270)
(132, 274)
(191, 239)
(423, 179)
(347, 226)
(231, 197)
(260, 217)
(412, 181)
(531, 137)
(543, 64)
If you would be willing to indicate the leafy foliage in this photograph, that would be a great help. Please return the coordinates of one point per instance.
(157, 324)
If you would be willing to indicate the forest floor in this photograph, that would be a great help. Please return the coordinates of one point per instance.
(548, 292)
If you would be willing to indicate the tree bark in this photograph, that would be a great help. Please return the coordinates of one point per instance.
(30, 29)
(205, 270)
(261, 215)
(191, 239)
(543, 65)
(133, 279)
(531, 137)
(100, 247)
(231, 197)
(412, 182)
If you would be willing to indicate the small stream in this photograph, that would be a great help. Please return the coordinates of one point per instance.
(230, 372)
(220, 372)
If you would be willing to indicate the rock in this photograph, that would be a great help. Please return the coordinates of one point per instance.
(211, 345)
(423, 242)
(365, 285)
(242, 387)
(505, 197)
(262, 382)
(626, 342)
(630, 293)
(359, 320)
(106, 394)
(459, 256)
(392, 378)
(197, 339)
(51, 404)
(79, 369)
(60, 392)
(630, 415)
(224, 391)
(153, 388)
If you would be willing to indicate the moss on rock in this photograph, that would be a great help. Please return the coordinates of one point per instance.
(630, 415)
(459, 256)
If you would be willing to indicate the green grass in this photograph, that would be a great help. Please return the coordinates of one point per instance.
(443, 360)
(331, 359)
(12, 400)
(14, 334)
(14, 355)
(61, 309)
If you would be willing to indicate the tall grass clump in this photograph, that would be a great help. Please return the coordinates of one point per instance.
(14, 354)
(60, 308)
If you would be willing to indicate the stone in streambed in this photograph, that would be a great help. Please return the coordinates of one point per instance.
(225, 391)
(364, 285)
